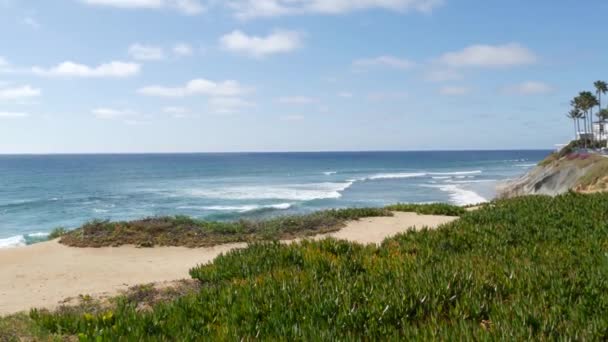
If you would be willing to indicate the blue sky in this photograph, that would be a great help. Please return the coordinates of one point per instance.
(293, 75)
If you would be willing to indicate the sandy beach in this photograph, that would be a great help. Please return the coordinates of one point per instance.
(43, 275)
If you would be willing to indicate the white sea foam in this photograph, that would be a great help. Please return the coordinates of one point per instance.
(434, 175)
(329, 173)
(396, 175)
(471, 181)
(38, 235)
(293, 192)
(100, 211)
(458, 195)
(240, 208)
(525, 165)
(456, 173)
(21, 240)
(14, 241)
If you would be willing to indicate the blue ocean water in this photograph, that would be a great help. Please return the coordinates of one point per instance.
(39, 193)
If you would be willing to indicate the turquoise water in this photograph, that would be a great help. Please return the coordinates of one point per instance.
(39, 193)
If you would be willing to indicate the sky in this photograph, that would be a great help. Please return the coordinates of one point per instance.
(121, 76)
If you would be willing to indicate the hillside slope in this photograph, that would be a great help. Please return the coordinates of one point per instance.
(559, 173)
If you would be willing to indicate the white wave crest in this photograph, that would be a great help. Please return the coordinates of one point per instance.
(471, 181)
(241, 208)
(329, 173)
(396, 175)
(37, 235)
(22, 240)
(434, 175)
(14, 241)
(456, 173)
(458, 195)
(293, 192)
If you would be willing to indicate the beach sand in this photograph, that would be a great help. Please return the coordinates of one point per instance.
(43, 275)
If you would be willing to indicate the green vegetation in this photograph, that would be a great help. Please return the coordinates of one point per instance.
(190, 232)
(429, 209)
(57, 233)
(21, 327)
(530, 268)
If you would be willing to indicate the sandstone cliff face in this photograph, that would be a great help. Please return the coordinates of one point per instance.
(557, 175)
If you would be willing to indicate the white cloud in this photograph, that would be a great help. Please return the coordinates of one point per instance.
(277, 42)
(182, 49)
(3, 62)
(454, 90)
(529, 88)
(175, 110)
(31, 22)
(384, 61)
(228, 105)
(190, 7)
(13, 115)
(114, 69)
(146, 52)
(388, 95)
(443, 75)
(197, 87)
(18, 93)
(297, 100)
(247, 9)
(345, 94)
(490, 56)
(292, 117)
(178, 112)
(110, 114)
(126, 3)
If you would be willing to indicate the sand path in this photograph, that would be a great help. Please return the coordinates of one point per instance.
(44, 274)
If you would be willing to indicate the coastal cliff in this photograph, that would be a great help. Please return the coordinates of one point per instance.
(561, 172)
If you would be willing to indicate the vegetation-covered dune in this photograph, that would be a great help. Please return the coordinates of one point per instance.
(190, 232)
(525, 268)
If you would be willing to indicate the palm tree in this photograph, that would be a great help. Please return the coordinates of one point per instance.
(576, 103)
(603, 116)
(586, 101)
(576, 114)
(601, 87)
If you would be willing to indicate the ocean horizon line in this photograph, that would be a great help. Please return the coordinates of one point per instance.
(268, 152)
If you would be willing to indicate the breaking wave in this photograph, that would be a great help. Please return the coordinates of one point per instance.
(458, 195)
(22, 240)
(241, 208)
(293, 192)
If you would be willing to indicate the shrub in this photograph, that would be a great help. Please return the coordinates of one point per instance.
(57, 233)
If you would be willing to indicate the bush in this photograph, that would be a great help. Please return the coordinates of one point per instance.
(57, 233)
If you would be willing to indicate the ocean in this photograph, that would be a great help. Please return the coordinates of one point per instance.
(42, 192)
